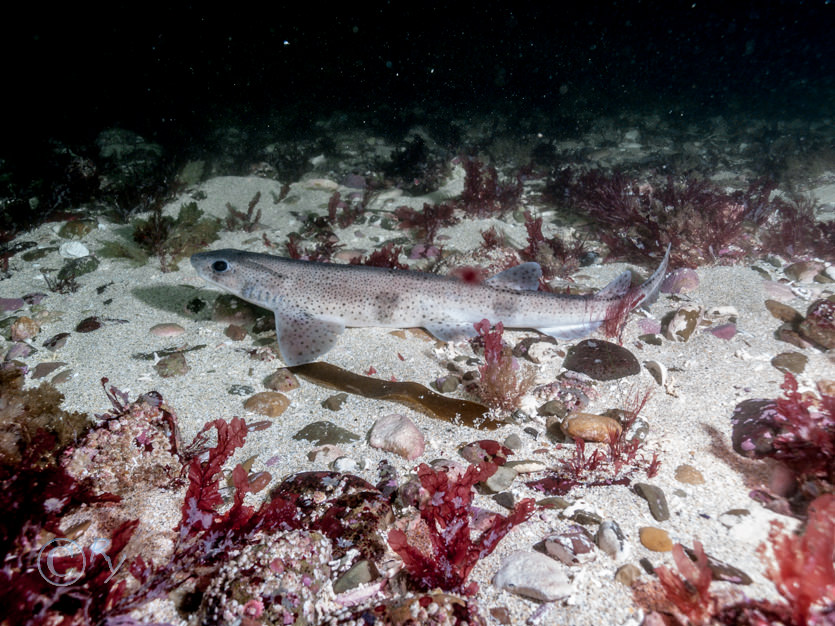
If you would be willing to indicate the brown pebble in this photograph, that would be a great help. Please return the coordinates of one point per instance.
(590, 427)
(793, 362)
(167, 330)
(783, 312)
(281, 380)
(269, 403)
(627, 574)
(258, 481)
(89, 324)
(235, 332)
(689, 474)
(655, 539)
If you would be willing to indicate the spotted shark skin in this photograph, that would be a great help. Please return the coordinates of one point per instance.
(314, 302)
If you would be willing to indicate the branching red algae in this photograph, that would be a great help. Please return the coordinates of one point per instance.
(411, 394)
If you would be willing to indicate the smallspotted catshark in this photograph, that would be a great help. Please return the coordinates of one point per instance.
(314, 302)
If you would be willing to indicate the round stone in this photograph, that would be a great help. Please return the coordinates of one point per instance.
(689, 475)
(655, 539)
(267, 403)
(590, 427)
(167, 330)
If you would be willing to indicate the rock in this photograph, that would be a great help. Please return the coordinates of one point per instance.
(601, 360)
(783, 312)
(344, 465)
(526, 466)
(446, 384)
(360, 573)
(325, 454)
(723, 331)
(610, 538)
(658, 371)
(803, 271)
(396, 433)
(513, 441)
(485, 450)
(627, 574)
(681, 280)
(335, 402)
(172, 365)
(732, 517)
(683, 323)
(281, 380)
(793, 362)
(11, 304)
(325, 433)
(574, 546)
(74, 268)
(240, 390)
(56, 342)
(24, 328)
(721, 570)
(655, 539)
(553, 407)
(167, 330)
(501, 479)
(689, 475)
(590, 427)
(532, 575)
(505, 499)
(42, 370)
(543, 352)
(235, 332)
(819, 325)
(89, 324)
(754, 424)
(267, 403)
(655, 498)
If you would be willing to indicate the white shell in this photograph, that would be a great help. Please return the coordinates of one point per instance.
(73, 250)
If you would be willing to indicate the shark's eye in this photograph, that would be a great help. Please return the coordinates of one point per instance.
(220, 266)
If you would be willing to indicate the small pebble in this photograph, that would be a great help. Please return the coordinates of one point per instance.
(11, 304)
(610, 538)
(267, 403)
(61, 377)
(335, 402)
(793, 362)
(325, 433)
(514, 442)
(167, 330)
(282, 380)
(627, 574)
(56, 342)
(783, 312)
(656, 499)
(655, 539)
(326, 454)
(485, 450)
(683, 323)
(89, 324)
(803, 271)
(689, 475)
(73, 250)
(505, 499)
(590, 427)
(172, 365)
(723, 331)
(235, 332)
(344, 465)
(574, 546)
(819, 325)
(501, 479)
(360, 573)
(681, 280)
(398, 434)
(532, 575)
(42, 370)
(526, 466)
(446, 384)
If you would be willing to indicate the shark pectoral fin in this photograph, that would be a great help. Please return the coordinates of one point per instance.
(452, 331)
(617, 288)
(303, 338)
(522, 277)
(571, 331)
